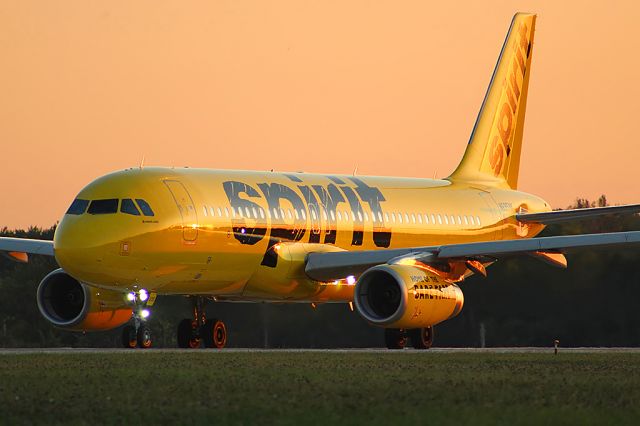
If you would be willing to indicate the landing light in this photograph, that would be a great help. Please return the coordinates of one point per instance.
(131, 297)
(144, 295)
(351, 280)
(145, 313)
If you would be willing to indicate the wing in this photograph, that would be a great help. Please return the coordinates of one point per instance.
(577, 214)
(337, 265)
(18, 248)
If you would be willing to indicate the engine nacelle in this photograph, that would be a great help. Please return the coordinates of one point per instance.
(404, 296)
(72, 305)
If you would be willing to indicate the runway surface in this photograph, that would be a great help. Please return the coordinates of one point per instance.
(21, 351)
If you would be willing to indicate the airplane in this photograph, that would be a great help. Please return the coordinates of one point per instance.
(394, 249)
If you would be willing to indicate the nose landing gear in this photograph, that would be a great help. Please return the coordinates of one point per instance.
(137, 333)
(200, 331)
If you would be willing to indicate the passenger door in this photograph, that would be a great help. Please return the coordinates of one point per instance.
(187, 209)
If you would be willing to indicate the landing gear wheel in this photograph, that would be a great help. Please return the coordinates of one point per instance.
(421, 338)
(144, 337)
(187, 337)
(129, 338)
(395, 338)
(214, 334)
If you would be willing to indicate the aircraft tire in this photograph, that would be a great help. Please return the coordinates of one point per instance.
(186, 335)
(214, 334)
(129, 338)
(144, 337)
(421, 338)
(395, 338)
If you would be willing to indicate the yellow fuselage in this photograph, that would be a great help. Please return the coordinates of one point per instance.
(226, 233)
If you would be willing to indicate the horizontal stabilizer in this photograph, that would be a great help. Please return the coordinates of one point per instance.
(576, 214)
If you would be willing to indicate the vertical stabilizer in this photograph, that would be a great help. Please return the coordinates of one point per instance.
(493, 154)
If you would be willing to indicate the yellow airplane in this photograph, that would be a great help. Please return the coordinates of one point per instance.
(393, 248)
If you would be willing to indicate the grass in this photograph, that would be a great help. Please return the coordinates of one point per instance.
(319, 388)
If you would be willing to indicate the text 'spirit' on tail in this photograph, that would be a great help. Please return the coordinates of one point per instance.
(493, 154)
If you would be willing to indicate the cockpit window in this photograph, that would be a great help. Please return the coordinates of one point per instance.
(145, 207)
(79, 206)
(127, 206)
(103, 206)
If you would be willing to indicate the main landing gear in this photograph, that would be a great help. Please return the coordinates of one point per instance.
(197, 331)
(397, 338)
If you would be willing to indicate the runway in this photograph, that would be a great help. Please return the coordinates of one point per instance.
(515, 350)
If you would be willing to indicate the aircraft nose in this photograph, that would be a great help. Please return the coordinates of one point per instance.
(69, 250)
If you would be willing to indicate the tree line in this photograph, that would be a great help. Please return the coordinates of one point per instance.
(522, 302)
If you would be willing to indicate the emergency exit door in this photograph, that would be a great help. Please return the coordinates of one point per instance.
(187, 209)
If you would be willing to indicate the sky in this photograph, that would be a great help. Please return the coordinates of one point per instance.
(392, 88)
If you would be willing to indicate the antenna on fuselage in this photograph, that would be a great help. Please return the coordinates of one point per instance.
(355, 170)
(142, 162)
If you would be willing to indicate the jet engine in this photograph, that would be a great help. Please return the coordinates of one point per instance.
(406, 296)
(75, 306)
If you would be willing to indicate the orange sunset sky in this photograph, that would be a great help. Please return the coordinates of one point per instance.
(392, 87)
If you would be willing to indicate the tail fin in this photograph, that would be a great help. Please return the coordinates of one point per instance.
(493, 154)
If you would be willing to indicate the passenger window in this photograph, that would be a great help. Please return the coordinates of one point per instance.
(406, 217)
(304, 215)
(459, 220)
(466, 220)
(226, 211)
(359, 217)
(247, 212)
(413, 218)
(275, 213)
(261, 213)
(366, 217)
(379, 217)
(419, 218)
(144, 207)
(426, 219)
(478, 220)
(212, 211)
(79, 206)
(324, 214)
(204, 209)
(255, 212)
(333, 216)
(103, 206)
(127, 206)
(339, 215)
(289, 214)
(439, 219)
(446, 219)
